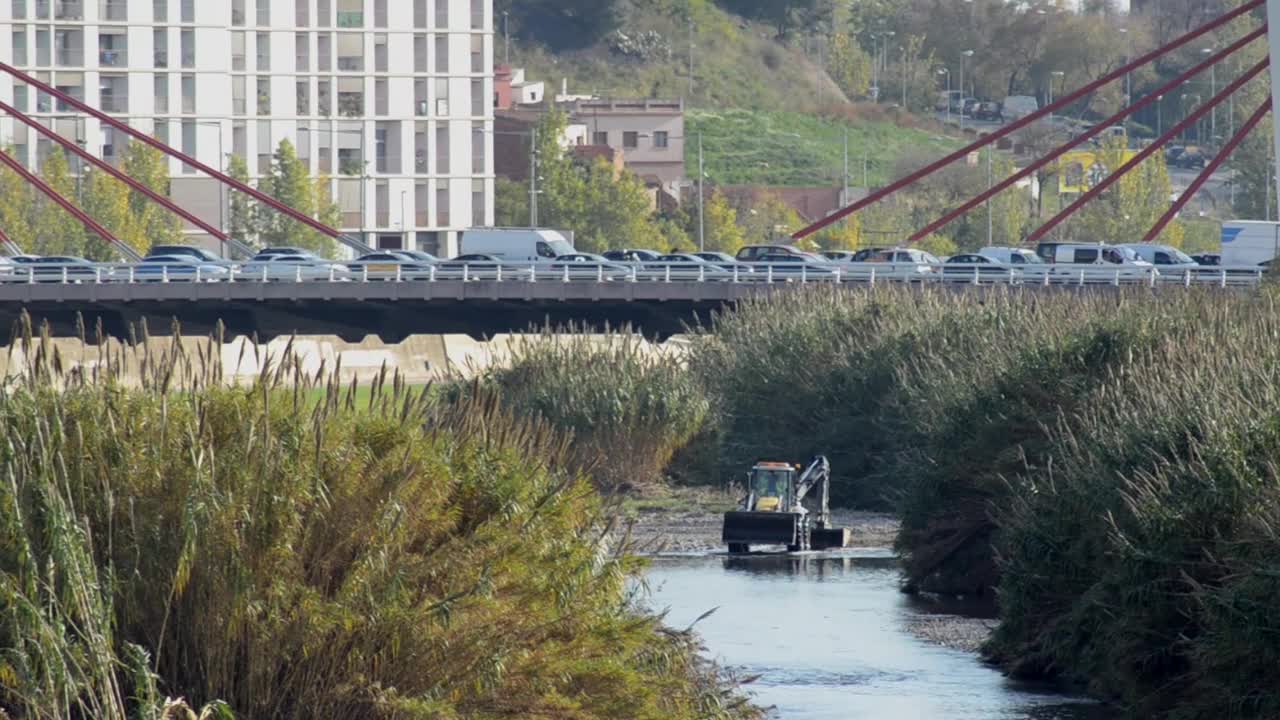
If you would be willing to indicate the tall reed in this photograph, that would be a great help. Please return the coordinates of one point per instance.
(295, 554)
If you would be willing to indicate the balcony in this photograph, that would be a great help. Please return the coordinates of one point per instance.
(68, 10)
(351, 104)
(351, 64)
(113, 58)
(350, 19)
(70, 58)
(113, 10)
(114, 102)
(162, 58)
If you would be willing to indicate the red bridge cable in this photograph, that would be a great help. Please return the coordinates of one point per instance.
(143, 137)
(1084, 137)
(67, 205)
(107, 168)
(1019, 124)
(1146, 152)
(1209, 170)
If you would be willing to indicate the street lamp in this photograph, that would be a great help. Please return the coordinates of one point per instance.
(1053, 74)
(1159, 115)
(947, 72)
(1213, 87)
(963, 55)
(1184, 132)
(1128, 58)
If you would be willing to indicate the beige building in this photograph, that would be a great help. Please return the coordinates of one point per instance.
(650, 134)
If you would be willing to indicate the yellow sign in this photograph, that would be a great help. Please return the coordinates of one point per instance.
(1080, 170)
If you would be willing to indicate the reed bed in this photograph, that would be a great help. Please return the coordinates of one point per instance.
(263, 552)
(629, 406)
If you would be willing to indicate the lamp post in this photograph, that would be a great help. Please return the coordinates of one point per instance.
(1159, 115)
(1184, 132)
(1053, 74)
(1213, 90)
(884, 51)
(963, 55)
(947, 72)
(506, 39)
(1128, 57)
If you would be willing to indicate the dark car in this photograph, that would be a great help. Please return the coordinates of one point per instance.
(1173, 152)
(989, 111)
(1208, 259)
(967, 267)
(191, 251)
(1192, 159)
(54, 268)
(753, 253)
(795, 266)
(971, 104)
(272, 252)
(632, 255)
(388, 262)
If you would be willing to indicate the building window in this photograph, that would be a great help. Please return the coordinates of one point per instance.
(442, 150)
(188, 144)
(382, 203)
(264, 148)
(188, 11)
(264, 13)
(350, 52)
(324, 14)
(421, 218)
(442, 14)
(161, 92)
(419, 53)
(324, 52)
(302, 52)
(188, 40)
(381, 101)
(240, 139)
(442, 54)
(160, 10)
(239, 104)
(68, 46)
(442, 206)
(162, 131)
(380, 62)
(477, 98)
(380, 13)
(420, 155)
(20, 47)
(324, 98)
(68, 10)
(419, 15)
(108, 10)
(303, 90)
(351, 97)
(160, 47)
(237, 51)
(19, 11)
(264, 52)
(20, 98)
(477, 53)
(351, 13)
(661, 139)
(600, 137)
(478, 215)
(264, 96)
(477, 149)
(442, 97)
(477, 14)
(237, 13)
(302, 13)
(189, 94)
(115, 93)
(630, 140)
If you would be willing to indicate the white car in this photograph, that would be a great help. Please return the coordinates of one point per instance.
(292, 268)
(1099, 263)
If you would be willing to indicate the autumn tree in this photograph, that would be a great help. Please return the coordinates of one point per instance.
(720, 225)
(1130, 207)
(56, 231)
(17, 205)
(616, 211)
(156, 224)
(290, 182)
(242, 224)
(106, 200)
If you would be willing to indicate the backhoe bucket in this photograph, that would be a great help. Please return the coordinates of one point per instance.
(761, 528)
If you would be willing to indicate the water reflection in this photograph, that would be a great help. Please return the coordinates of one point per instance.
(827, 634)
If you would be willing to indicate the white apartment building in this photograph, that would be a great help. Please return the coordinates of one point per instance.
(390, 99)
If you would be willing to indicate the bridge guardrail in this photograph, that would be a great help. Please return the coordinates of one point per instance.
(648, 272)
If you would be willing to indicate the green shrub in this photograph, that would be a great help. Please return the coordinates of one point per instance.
(299, 556)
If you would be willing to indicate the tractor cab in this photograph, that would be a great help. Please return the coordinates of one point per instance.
(772, 487)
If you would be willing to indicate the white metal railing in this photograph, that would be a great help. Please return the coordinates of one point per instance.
(616, 272)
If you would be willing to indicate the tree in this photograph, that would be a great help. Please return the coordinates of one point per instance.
(511, 203)
(17, 203)
(562, 185)
(849, 65)
(156, 223)
(783, 15)
(1131, 206)
(242, 221)
(57, 232)
(106, 200)
(617, 211)
(290, 183)
(767, 219)
(720, 223)
(561, 24)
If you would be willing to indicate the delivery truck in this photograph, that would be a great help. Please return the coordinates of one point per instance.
(1249, 242)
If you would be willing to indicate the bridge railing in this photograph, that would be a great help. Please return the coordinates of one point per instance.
(622, 272)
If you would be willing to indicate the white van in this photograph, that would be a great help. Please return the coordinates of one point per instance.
(516, 245)
(1166, 258)
(1249, 242)
(1016, 107)
(1098, 262)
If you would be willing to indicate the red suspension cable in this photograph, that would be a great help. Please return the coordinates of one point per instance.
(107, 168)
(67, 205)
(1084, 137)
(1208, 171)
(1146, 152)
(1019, 124)
(143, 137)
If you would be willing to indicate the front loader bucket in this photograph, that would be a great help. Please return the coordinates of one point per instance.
(761, 528)
(825, 539)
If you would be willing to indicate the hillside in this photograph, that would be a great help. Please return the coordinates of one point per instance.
(791, 148)
(737, 63)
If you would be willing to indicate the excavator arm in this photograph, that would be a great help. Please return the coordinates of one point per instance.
(817, 475)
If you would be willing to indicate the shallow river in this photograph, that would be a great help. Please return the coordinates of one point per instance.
(828, 636)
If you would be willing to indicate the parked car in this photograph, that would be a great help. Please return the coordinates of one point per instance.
(191, 251)
(587, 266)
(1012, 255)
(970, 104)
(1172, 153)
(988, 111)
(1191, 159)
(516, 245)
(1164, 257)
(726, 261)
(482, 266)
(388, 263)
(1099, 263)
(685, 266)
(907, 263)
(1016, 107)
(55, 268)
(753, 253)
(1208, 259)
(975, 268)
(418, 256)
(788, 266)
(291, 267)
(179, 268)
(632, 255)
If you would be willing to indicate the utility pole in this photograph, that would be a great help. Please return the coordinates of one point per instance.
(691, 46)
(506, 39)
(844, 200)
(905, 70)
(866, 183)
(990, 182)
(533, 178)
(702, 226)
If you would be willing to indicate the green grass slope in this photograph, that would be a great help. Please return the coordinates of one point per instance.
(792, 148)
(737, 63)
